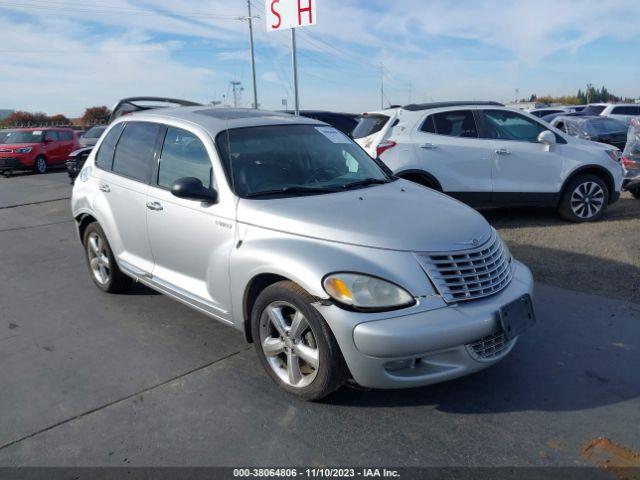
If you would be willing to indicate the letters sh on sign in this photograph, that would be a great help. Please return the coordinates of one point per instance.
(285, 14)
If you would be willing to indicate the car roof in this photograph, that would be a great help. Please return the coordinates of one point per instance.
(415, 107)
(216, 120)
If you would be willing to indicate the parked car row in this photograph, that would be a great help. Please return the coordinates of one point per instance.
(284, 228)
(35, 149)
(487, 155)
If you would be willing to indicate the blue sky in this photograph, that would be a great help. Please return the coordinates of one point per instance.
(60, 56)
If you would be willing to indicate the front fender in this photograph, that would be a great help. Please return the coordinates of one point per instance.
(306, 261)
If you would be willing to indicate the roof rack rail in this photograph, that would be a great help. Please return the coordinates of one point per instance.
(416, 107)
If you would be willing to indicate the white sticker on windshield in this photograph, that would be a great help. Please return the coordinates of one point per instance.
(336, 136)
(36, 132)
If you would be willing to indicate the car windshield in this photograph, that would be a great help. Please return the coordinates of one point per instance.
(606, 126)
(94, 132)
(17, 136)
(291, 160)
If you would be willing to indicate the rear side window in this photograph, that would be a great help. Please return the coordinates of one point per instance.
(370, 124)
(65, 135)
(51, 135)
(104, 158)
(183, 155)
(458, 123)
(626, 110)
(134, 152)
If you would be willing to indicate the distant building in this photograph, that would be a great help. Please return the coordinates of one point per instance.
(5, 113)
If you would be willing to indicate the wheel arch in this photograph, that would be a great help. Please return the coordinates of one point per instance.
(82, 222)
(596, 170)
(420, 177)
(253, 289)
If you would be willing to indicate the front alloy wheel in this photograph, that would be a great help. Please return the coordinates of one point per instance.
(587, 200)
(294, 343)
(40, 165)
(289, 344)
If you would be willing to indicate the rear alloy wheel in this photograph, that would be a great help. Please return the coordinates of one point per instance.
(103, 267)
(40, 166)
(585, 199)
(294, 343)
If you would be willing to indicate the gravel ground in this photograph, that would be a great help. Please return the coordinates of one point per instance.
(602, 258)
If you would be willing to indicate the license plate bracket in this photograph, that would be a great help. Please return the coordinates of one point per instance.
(517, 317)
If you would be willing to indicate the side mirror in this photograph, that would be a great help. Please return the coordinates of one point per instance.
(547, 138)
(191, 188)
(48, 140)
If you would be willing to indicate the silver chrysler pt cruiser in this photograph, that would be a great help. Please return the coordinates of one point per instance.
(285, 229)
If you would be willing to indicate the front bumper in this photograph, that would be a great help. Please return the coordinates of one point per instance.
(426, 347)
(11, 163)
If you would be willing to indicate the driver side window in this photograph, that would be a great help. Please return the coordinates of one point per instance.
(183, 155)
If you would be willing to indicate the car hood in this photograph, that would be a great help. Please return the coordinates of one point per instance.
(399, 216)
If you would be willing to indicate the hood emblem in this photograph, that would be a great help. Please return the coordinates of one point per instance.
(475, 242)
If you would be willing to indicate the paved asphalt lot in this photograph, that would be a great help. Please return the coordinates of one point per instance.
(93, 379)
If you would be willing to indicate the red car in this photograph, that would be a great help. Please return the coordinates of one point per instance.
(35, 148)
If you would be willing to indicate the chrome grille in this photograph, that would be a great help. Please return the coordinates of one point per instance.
(469, 274)
(489, 347)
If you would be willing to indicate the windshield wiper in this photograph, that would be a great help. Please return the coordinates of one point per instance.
(291, 191)
(365, 182)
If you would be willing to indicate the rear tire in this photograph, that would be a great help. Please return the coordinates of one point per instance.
(294, 343)
(104, 270)
(585, 199)
(40, 166)
(635, 192)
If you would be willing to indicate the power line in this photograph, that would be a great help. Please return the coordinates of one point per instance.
(63, 7)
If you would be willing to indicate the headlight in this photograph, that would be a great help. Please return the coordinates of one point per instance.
(23, 150)
(366, 292)
(614, 154)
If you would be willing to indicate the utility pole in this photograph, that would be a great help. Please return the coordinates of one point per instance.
(253, 59)
(589, 87)
(294, 60)
(381, 86)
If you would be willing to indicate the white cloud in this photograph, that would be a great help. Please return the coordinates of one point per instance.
(98, 52)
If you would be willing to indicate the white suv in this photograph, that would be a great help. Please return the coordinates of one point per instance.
(622, 111)
(487, 155)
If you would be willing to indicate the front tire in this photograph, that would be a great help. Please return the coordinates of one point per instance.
(294, 343)
(585, 199)
(40, 166)
(102, 265)
(635, 192)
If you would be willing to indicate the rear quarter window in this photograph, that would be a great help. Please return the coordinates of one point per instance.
(370, 124)
(104, 157)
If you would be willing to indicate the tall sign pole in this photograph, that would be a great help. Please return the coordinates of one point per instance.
(294, 64)
(253, 59)
(291, 14)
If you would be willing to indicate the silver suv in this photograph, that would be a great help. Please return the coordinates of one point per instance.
(285, 229)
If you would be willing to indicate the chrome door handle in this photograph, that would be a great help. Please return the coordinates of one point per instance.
(503, 151)
(156, 206)
(428, 146)
(105, 188)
